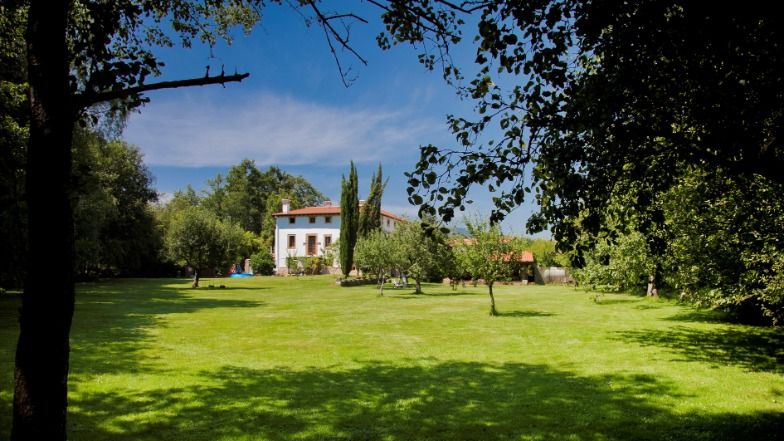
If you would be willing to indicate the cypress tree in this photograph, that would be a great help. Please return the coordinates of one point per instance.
(349, 219)
(370, 215)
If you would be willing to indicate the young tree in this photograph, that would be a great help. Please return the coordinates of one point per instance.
(424, 254)
(377, 253)
(456, 265)
(197, 238)
(349, 217)
(486, 255)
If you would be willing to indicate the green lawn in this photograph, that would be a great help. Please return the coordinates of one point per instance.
(303, 359)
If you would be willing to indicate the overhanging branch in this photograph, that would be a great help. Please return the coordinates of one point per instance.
(85, 100)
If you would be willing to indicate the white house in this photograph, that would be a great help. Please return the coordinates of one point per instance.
(305, 232)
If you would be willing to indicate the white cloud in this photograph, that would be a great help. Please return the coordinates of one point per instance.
(205, 129)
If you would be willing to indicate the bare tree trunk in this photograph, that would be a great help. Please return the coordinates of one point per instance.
(196, 275)
(418, 289)
(493, 311)
(381, 285)
(42, 352)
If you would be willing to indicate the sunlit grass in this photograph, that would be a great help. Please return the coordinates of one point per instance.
(304, 359)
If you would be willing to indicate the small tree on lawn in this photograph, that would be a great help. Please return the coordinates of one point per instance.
(454, 266)
(425, 253)
(197, 238)
(377, 253)
(485, 256)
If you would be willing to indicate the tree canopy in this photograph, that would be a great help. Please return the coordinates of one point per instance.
(583, 95)
(249, 196)
(486, 255)
(599, 111)
(197, 238)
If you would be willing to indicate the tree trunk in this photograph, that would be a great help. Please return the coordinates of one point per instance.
(493, 311)
(653, 282)
(418, 287)
(381, 285)
(196, 274)
(42, 352)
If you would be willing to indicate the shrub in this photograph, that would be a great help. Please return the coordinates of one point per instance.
(263, 263)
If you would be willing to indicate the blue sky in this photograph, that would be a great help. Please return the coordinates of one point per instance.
(294, 112)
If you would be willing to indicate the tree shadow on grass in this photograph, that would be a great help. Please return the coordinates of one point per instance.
(701, 316)
(409, 294)
(524, 314)
(615, 301)
(112, 326)
(446, 401)
(753, 349)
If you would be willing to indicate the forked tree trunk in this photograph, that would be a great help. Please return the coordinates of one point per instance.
(196, 275)
(493, 311)
(42, 352)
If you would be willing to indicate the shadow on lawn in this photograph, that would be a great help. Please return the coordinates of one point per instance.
(121, 319)
(753, 349)
(701, 315)
(524, 314)
(449, 401)
(409, 294)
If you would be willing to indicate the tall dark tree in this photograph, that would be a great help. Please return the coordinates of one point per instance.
(609, 91)
(370, 213)
(592, 97)
(80, 54)
(349, 219)
(69, 69)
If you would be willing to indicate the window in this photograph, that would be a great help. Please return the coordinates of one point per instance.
(327, 240)
(387, 222)
(292, 219)
(292, 241)
(312, 219)
(327, 219)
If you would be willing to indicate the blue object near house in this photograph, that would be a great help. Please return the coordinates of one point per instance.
(240, 275)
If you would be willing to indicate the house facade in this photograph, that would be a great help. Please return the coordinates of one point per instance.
(306, 232)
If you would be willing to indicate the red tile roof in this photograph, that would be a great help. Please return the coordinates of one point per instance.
(312, 211)
(392, 216)
(524, 257)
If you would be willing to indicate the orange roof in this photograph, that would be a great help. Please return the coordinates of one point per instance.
(331, 210)
(524, 257)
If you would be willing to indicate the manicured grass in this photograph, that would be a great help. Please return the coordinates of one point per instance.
(303, 359)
